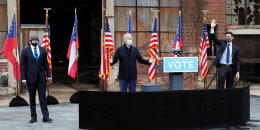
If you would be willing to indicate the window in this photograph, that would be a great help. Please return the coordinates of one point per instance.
(3, 22)
(242, 12)
(142, 21)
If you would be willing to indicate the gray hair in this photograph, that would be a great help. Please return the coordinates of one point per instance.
(127, 34)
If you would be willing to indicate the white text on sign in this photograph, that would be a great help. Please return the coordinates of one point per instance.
(180, 64)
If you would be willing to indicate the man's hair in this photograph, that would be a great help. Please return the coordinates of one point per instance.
(127, 34)
(229, 33)
(34, 37)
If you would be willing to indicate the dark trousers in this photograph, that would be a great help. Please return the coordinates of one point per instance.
(124, 83)
(225, 73)
(40, 86)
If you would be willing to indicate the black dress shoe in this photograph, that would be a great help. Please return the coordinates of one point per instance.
(47, 120)
(33, 120)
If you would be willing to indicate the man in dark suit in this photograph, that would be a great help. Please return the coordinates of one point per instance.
(127, 55)
(227, 59)
(34, 68)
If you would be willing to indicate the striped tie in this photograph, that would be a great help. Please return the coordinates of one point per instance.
(228, 51)
(36, 54)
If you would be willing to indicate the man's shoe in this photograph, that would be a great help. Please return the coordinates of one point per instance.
(33, 120)
(47, 120)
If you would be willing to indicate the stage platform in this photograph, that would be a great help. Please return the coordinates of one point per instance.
(164, 110)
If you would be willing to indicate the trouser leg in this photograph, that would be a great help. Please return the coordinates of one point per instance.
(42, 99)
(230, 77)
(221, 77)
(132, 85)
(123, 85)
(32, 94)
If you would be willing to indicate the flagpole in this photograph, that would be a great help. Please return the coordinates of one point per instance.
(16, 68)
(17, 50)
(46, 26)
(205, 79)
(156, 61)
(105, 83)
(77, 52)
(156, 16)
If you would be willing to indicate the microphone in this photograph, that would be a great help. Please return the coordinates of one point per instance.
(177, 52)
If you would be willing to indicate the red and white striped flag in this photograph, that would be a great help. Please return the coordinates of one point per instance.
(153, 52)
(108, 48)
(46, 43)
(204, 44)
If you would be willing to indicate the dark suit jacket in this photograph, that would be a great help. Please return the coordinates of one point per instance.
(222, 46)
(31, 70)
(127, 62)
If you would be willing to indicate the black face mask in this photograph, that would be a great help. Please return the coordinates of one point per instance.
(34, 42)
(228, 40)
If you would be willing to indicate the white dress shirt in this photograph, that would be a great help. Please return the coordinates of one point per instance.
(37, 48)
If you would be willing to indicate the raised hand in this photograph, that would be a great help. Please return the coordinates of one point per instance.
(213, 23)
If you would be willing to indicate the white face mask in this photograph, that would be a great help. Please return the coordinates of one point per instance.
(129, 42)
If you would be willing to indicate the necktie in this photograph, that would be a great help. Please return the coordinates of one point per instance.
(228, 51)
(36, 54)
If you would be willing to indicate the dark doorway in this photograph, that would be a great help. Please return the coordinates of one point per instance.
(249, 56)
(61, 18)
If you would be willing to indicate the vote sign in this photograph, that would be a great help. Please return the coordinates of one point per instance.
(180, 64)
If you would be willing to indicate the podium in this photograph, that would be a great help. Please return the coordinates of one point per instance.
(175, 79)
(175, 66)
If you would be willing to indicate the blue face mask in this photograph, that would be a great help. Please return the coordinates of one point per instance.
(129, 42)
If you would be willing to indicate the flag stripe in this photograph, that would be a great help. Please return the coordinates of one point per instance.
(204, 44)
(46, 43)
(107, 49)
(153, 52)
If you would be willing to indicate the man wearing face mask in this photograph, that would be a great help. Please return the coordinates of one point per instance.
(34, 68)
(127, 55)
(227, 59)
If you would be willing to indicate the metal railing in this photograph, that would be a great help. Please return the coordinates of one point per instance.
(215, 75)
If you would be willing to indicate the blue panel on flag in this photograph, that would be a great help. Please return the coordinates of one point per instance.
(180, 64)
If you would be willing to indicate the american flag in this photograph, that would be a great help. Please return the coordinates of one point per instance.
(46, 43)
(178, 38)
(108, 48)
(204, 44)
(153, 52)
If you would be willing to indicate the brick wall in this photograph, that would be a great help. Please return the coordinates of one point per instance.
(3, 67)
(192, 24)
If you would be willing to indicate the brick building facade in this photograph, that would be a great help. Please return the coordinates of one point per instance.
(192, 24)
(226, 13)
